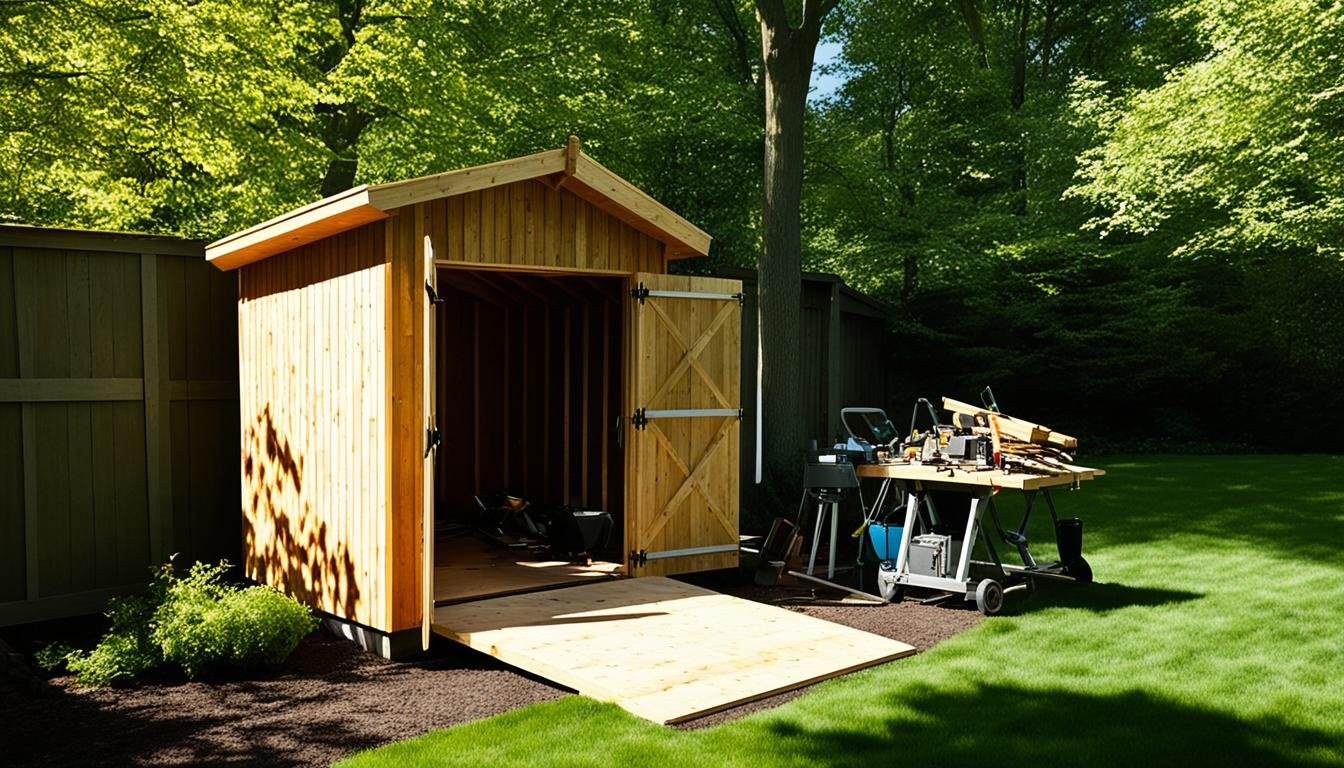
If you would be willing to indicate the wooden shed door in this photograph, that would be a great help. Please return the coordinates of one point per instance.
(681, 497)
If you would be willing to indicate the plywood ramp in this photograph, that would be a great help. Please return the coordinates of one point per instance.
(664, 650)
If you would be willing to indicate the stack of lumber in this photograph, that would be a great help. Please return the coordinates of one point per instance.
(1025, 446)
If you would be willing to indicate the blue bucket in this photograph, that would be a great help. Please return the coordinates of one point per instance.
(886, 540)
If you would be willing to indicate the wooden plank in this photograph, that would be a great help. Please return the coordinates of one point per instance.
(158, 461)
(604, 188)
(20, 236)
(1015, 428)
(62, 606)
(329, 216)
(13, 565)
(833, 372)
(585, 396)
(466, 567)
(697, 651)
(36, 390)
(403, 193)
(993, 478)
(23, 324)
(606, 399)
(533, 269)
(406, 312)
(82, 543)
(518, 251)
(565, 425)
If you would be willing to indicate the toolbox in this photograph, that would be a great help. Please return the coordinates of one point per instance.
(933, 554)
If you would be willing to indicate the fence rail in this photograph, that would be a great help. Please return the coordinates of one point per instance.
(118, 397)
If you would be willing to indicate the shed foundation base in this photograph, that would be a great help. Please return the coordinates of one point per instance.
(395, 646)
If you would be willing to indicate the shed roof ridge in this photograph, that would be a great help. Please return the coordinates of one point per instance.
(567, 168)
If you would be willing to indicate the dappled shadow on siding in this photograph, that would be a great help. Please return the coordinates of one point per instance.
(285, 544)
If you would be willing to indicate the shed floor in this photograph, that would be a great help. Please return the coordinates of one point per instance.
(467, 567)
(663, 649)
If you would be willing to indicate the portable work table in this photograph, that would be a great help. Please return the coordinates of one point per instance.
(917, 479)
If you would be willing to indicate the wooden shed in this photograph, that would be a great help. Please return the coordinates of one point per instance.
(519, 316)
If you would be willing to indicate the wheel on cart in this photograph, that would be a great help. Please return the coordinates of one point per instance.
(1080, 571)
(989, 597)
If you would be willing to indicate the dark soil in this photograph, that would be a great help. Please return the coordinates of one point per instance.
(332, 699)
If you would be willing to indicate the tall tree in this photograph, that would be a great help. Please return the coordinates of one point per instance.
(787, 50)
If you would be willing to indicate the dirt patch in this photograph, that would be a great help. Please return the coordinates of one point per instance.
(333, 699)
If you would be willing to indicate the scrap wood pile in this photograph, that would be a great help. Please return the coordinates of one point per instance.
(1018, 445)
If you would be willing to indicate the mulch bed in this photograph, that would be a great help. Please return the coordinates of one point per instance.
(333, 699)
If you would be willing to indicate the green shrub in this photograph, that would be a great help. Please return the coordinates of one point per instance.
(127, 650)
(53, 657)
(197, 622)
(205, 625)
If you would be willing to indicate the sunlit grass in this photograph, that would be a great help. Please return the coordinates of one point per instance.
(1215, 636)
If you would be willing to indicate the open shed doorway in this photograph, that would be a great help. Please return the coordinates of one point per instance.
(529, 398)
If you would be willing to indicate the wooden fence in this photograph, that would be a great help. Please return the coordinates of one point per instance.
(847, 354)
(118, 415)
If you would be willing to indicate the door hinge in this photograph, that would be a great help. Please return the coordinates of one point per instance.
(434, 297)
(641, 293)
(639, 420)
(432, 440)
(638, 558)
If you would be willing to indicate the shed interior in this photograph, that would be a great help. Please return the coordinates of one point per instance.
(528, 403)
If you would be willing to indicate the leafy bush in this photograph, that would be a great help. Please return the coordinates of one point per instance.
(206, 624)
(53, 657)
(197, 622)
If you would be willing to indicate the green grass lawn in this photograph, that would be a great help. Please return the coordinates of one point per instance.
(1214, 636)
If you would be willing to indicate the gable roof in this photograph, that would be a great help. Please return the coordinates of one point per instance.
(566, 168)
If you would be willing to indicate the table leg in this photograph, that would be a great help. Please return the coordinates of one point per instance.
(816, 539)
(835, 527)
(911, 510)
(968, 540)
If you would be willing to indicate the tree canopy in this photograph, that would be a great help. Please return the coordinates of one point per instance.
(1126, 214)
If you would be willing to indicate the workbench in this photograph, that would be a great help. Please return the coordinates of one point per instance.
(916, 479)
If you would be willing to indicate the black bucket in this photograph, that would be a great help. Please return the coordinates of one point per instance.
(775, 552)
(1069, 535)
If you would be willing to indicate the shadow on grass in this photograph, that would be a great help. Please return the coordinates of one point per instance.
(1008, 726)
(1096, 597)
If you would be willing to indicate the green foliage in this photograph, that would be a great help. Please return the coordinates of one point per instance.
(1237, 151)
(205, 624)
(53, 657)
(197, 622)
(203, 118)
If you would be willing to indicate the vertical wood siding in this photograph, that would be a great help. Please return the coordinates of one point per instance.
(113, 364)
(528, 223)
(314, 390)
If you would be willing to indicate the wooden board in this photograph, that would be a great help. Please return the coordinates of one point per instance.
(992, 478)
(682, 473)
(1015, 428)
(664, 650)
(466, 567)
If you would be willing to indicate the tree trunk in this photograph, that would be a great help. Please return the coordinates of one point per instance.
(787, 52)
